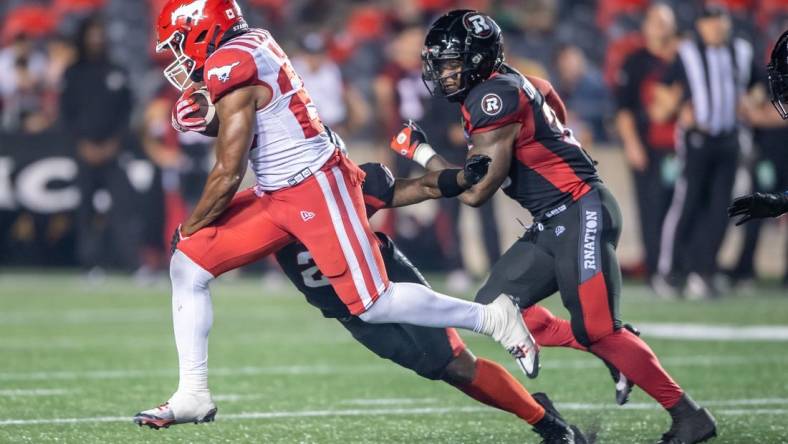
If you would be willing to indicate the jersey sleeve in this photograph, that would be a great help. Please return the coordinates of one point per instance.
(550, 96)
(227, 70)
(491, 105)
(378, 187)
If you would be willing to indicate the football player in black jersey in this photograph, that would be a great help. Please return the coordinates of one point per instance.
(760, 205)
(518, 122)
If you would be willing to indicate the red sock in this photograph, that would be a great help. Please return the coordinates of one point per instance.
(496, 387)
(549, 330)
(634, 358)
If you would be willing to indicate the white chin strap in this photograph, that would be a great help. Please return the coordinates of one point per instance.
(179, 72)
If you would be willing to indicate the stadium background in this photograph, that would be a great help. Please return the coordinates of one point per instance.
(85, 322)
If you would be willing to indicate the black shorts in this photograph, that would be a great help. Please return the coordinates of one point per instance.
(574, 253)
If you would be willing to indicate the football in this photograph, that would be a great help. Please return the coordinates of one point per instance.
(207, 111)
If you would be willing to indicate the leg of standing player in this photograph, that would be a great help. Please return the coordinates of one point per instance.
(243, 234)
(589, 280)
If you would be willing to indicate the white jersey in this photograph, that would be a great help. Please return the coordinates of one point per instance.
(290, 142)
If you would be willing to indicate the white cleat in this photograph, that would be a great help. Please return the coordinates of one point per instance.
(510, 331)
(182, 408)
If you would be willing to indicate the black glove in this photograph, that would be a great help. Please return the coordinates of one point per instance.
(476, 168)
(757, 206)
(176, 237)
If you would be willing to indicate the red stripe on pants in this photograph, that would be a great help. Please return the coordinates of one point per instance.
(351, 234)
(596, 311)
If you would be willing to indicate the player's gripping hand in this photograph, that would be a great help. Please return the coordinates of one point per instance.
(475, 168)
(757, 206)
(184, 106)
(411, 142)
(177, 236)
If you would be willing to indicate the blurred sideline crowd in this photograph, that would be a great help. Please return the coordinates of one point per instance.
(92, 174)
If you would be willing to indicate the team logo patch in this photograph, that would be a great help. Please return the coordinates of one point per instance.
(559, 230)
(307, 215)
(491, 104)
(222, 72)
(193, 10)
(589, 239)
(478, 25)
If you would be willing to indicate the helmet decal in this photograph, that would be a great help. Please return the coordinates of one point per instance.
(194, 11)
(477, 25)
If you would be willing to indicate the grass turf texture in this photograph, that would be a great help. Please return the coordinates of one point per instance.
(282, 373)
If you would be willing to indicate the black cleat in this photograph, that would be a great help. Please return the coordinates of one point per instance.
(623, 384)
(691, 423)
(552, 428)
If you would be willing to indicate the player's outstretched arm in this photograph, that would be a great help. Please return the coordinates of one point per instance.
(448, 182)
(496, 144)
(236, 111)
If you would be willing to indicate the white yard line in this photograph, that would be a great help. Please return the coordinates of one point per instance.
(386, 411)
(700, 332)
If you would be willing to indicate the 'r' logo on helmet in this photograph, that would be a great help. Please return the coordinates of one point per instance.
(478, 25)
(222, 72)
(491, 104)
(193, 10)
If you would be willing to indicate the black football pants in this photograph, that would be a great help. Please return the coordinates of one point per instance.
(574, 253)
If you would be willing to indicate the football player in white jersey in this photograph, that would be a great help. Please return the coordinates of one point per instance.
(306, 190)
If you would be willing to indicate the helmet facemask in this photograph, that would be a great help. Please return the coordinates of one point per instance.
(179, 72)
(777, 70)
(778, 90)
(434, 63)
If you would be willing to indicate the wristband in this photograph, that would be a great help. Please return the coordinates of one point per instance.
(447, 183)
(423, 153)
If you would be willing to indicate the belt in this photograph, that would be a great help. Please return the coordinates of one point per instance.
(299, 177)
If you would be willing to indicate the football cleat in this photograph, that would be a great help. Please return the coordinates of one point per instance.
(510, 331)
(553, 428)
(180, 409)
(691, 423)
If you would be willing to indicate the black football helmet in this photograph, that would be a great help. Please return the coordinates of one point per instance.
(462, 36)
(778, 75)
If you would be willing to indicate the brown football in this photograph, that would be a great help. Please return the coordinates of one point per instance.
(206, 111)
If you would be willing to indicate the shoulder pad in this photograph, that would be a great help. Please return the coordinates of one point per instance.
(494, 103)
(229, 69)
(378, 186)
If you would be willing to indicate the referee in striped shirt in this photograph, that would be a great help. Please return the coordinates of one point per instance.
(704, 87)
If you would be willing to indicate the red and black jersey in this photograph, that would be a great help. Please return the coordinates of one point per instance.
(549, 169)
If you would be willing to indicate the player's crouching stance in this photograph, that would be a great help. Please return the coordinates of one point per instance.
(518, 122)
(306, 190)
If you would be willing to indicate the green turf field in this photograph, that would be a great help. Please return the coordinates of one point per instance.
(77, 361)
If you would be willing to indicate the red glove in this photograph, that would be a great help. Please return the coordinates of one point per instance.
(184, 106)
(411, 142)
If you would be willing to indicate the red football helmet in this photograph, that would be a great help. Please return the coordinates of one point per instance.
(192, 29)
